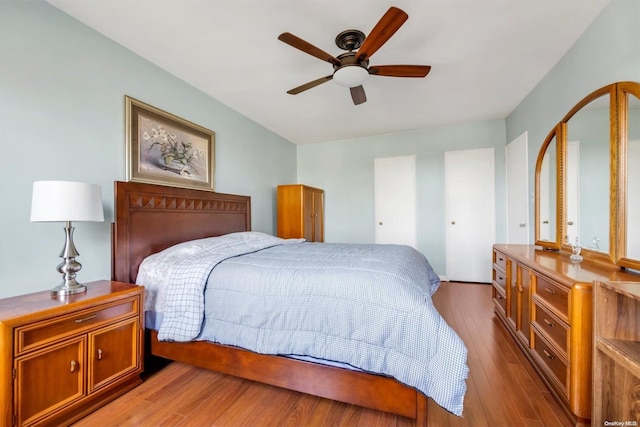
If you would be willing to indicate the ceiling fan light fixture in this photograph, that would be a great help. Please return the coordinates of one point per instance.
(350, 76)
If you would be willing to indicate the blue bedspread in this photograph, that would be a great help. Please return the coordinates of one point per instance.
(366, 305)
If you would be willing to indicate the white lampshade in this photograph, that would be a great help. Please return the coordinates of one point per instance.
(66, 201)
(350, 76)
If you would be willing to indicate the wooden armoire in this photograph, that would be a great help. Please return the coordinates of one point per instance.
(301, 212)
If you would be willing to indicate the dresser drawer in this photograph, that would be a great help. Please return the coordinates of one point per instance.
(553, 294)
(500, 260)
(500, 279)
(500, 299)
(551, 326)
(554, 364)
(39, 334)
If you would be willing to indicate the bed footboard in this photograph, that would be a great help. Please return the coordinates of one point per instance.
(354, 387)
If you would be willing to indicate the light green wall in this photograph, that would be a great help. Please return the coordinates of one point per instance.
(62, 88)
(344, 169)
(608, 51)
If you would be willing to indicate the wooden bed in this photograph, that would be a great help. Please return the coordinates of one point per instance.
(150, 218)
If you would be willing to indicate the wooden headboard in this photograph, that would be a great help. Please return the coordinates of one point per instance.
(150, 218)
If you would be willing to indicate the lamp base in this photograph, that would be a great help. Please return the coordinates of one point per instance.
(68, 267)
(69, 287)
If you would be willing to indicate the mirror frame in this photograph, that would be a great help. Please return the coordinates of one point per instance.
(609, 256)
(624, 90)
(556, 133)
(618, 130)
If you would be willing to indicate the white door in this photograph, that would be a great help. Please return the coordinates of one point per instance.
(470, 214)
(517, 191)
(572, 226)
(395, 200)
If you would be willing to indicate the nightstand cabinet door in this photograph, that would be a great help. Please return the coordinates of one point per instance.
(113, 352)
(49, 380)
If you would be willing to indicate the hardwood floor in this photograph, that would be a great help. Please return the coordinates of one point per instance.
(502, 388)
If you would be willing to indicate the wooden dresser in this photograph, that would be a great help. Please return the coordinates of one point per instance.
(61, 358)
(545, 302)
(301, 212)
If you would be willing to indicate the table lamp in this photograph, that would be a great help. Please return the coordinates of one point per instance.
(67, 201)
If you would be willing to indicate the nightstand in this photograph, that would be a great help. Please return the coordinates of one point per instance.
(61, 358)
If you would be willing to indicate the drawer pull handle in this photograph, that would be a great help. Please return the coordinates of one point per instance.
(500, 278)
(499, 296)
(84, 319)
(99, 354)
(551, 291)
(551, 324)
(73, 366)
(549, 355)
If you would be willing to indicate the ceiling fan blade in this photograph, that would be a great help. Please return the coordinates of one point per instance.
(400, 70)
(307, 47)
(302, 88)
(390, 22)
(358, 95)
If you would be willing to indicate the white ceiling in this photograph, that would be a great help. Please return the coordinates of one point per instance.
(486, 56)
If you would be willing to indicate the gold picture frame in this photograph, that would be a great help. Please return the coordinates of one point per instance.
(162, 148)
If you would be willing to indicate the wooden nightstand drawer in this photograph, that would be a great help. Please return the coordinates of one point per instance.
(39, 334)
(553, 294)
(551, 326)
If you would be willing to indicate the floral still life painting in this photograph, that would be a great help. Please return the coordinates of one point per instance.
(165, 149)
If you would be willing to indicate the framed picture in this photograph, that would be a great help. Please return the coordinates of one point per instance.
(164, 149)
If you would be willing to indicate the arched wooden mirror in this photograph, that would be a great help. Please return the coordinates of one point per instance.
(628, 200)
(587, 173)
(548, 197)
(588, 178)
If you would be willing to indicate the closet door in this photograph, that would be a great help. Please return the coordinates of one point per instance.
(517, 191)
(395, 200)
(470, 214)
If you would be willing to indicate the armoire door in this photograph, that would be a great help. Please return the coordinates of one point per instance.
(318, 216)
(308, 213)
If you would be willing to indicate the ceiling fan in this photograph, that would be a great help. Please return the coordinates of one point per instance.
(351, 69)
